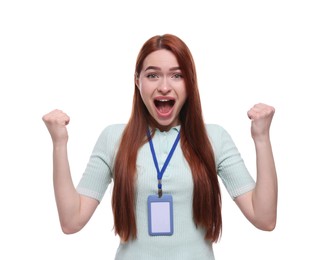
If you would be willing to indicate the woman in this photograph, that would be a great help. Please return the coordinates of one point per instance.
(165, 164)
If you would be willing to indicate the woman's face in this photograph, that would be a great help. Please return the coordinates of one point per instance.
(162, 88)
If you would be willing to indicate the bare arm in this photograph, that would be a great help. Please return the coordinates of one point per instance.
(260, 205)
(74, 210)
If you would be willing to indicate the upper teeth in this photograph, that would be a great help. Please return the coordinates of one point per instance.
(163, 100)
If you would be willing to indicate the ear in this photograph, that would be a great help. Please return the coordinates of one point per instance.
(136, 80)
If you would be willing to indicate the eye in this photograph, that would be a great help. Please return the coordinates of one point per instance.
(152, 76)
(177, 76)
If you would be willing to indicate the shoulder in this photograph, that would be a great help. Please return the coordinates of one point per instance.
(114, 128)
(112, 133)
(219, 136)
(215, 130)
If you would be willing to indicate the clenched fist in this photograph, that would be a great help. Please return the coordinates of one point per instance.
(261, 116)
(56, 122)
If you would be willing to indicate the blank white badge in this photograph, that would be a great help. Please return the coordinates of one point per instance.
(160, 215)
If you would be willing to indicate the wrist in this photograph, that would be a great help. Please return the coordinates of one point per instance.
(59, 146)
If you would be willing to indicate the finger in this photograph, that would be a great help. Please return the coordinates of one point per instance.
(56, 116)
(260, 110)
(251, 114)
(62, 118)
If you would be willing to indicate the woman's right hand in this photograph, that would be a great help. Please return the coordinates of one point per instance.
(56, 122)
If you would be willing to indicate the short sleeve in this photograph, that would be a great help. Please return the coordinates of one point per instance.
(230, 165)
(98, 173)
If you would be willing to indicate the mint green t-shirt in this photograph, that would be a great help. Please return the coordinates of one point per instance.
(187, 242)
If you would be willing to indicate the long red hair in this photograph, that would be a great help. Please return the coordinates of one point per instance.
(195, 145)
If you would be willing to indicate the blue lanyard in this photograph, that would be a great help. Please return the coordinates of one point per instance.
(161, 173)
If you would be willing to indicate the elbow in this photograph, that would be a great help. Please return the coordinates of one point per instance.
(268, 225)
(69, 229)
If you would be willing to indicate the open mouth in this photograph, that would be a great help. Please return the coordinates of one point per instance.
(164, 106)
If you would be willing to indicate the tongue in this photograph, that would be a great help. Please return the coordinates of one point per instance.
(164, 107)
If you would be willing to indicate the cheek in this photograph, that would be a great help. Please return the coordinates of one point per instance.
(183, 92)
(142, 90)
(145, 88)
(141, 85)
(144, 93)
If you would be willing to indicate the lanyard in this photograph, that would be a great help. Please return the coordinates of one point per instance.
(160, 173)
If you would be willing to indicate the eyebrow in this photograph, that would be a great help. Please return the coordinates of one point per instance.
(158, 68)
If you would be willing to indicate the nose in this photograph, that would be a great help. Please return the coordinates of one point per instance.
(164, 86)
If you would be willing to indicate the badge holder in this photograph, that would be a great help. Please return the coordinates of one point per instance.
(160, 215)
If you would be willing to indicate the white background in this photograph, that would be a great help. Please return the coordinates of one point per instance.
(79, 56)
